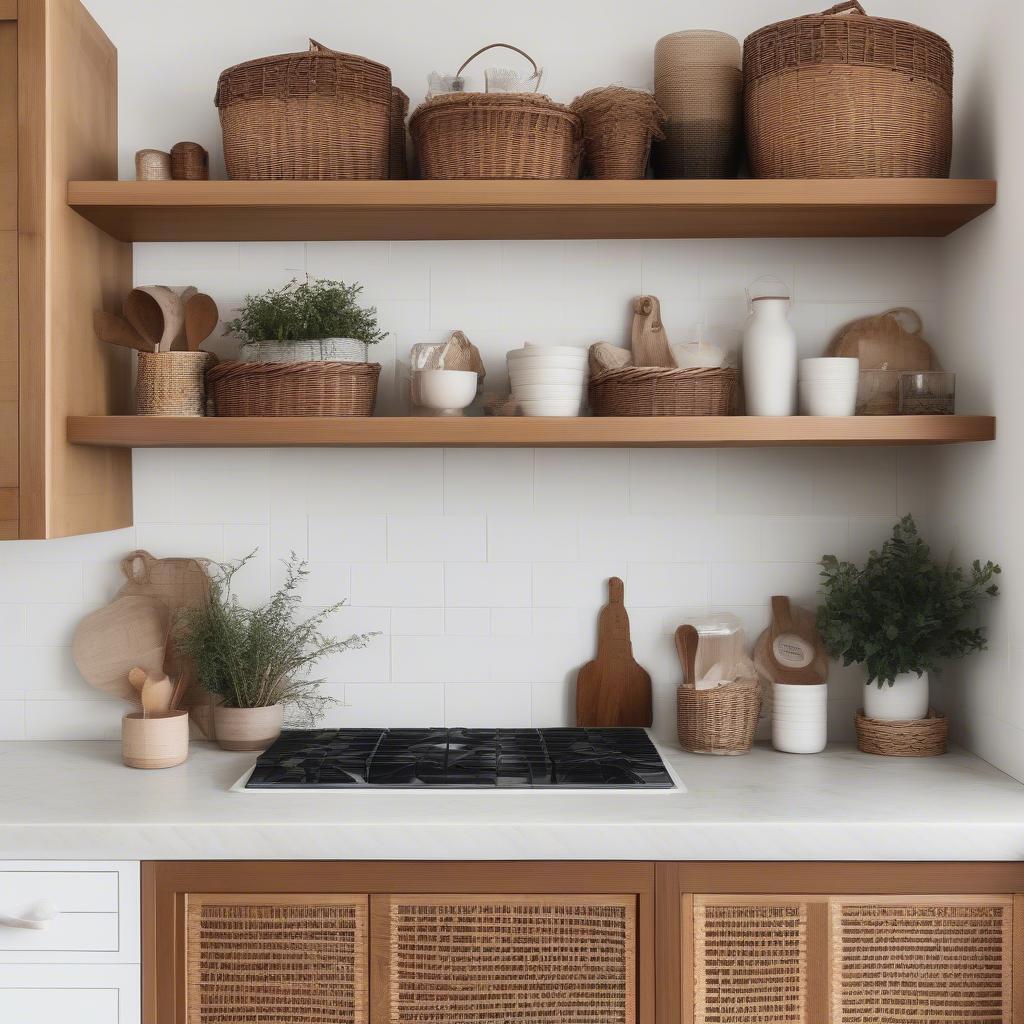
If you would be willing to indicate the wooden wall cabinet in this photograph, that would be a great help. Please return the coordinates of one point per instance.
(58, 120)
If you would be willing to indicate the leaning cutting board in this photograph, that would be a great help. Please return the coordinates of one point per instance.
(790, 650)
(613, 689)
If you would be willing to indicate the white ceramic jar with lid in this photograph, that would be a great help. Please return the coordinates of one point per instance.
(769, 351)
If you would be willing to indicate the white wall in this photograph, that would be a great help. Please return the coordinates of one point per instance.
(482, 569)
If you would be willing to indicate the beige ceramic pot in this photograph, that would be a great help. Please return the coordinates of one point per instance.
(155, 741)
(247, 728)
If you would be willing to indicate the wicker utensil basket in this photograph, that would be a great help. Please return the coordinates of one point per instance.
(306, 116)
(664, 391)
(926, 737)
(720, 720)
(618, 126)
(844, 95)
(475, 135)
(293, 389)
(172, 383)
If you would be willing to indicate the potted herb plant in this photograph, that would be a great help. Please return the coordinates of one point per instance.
(313, 320)
(901, 615)
(255, 660)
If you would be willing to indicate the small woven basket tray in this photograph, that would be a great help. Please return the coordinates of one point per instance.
(172, 383)
(718, 721)
(664, 391)
(294, 389)
(925, 737)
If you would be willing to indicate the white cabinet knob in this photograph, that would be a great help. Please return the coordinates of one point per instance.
(37, 917)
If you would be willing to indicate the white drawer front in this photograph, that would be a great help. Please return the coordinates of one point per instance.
(70, 994)
(59, 1006)
(97, 906)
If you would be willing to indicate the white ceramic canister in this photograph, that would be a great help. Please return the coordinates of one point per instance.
(799, 718)
(769, 354)
(905, 701)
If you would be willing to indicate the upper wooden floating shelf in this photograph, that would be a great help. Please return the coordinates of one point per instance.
(523, 432)
(253, 211)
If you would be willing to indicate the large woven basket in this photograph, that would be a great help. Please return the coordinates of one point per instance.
(844, 95)
(306, 116)
(722, 720)
(661, 391)
(293, 389)
(172, 383)
(925, 737)
(618, 125)
(396, 140)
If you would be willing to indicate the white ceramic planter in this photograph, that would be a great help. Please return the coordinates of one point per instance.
(905, 701)
(247, 728)
(345, 350)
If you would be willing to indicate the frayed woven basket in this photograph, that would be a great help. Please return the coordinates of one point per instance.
(721, 720)
(172, 383)
(925, 737)
(664, 391)
(293, 389)
(618, 126)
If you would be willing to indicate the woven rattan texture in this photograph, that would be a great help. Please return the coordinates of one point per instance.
(926, 737)
(722, 720)
(618, 126)
(275, 964)
(664, 391)
(494, 136)
(920, 963)
(848, 97)
(749, 963)
(294, 389)
(172, 383)
(396, 141)
(306, 116)
(533, 962)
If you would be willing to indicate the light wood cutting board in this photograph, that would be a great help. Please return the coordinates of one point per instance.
(613, 690)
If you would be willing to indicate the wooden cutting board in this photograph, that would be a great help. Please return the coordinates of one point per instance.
(790, 649)
(613, 689)
(649, 342)
(110, 642)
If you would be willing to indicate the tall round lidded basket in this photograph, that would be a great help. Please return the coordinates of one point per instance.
(844, 95)
(698, 84)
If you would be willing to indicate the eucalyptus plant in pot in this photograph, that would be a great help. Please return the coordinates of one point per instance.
(254, 661)
(901, 615)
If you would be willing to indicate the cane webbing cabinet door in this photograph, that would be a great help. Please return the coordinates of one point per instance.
(276, 958)
(491, 959)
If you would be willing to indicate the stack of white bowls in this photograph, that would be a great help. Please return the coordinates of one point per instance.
(828, 386)
(548, 381)
(799, 718)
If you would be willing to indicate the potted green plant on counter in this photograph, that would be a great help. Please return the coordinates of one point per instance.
(901, 615)
(254, 661)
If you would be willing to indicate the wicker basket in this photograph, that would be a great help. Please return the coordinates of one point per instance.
(172, 383)
(293, 389)
(306, 116)
(718, 721)
(396, 141)
(842, 95)
(924, 737)
(477, 135)
(618, 125)
(661, 391)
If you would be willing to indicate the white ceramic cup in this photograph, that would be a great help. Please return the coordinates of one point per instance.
(820, 399)
(829, 368)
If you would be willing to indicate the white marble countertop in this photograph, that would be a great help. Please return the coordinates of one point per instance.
(77, 801)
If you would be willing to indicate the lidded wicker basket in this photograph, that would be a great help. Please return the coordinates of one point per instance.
(664, 391)
(294, 389)
(618, 126)
(844, 95)
(306, 116)
(475, 135)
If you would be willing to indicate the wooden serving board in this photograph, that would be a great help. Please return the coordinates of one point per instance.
(790, 649)
(613, 690)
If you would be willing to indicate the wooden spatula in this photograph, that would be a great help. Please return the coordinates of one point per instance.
(201, 319)
(115, 330)
(687, 639)
(790, 649)
(613, 690)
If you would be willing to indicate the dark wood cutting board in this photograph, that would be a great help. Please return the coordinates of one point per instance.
(613, 689)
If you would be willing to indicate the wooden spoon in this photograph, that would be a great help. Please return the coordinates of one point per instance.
(156, 694)
(115, 330)
(137, 677)
(201, 319)
(145, 315)
(687, 639)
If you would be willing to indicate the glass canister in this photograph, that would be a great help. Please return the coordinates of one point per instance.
(927, 394)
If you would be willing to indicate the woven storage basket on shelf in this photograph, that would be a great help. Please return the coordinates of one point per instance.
(293, 389)
(664, 391)
(843, 95)
(172, 383)
(924, 737)
(618, 125)
(720, 720)
(306, 116)
(698, 83)
(396, 140)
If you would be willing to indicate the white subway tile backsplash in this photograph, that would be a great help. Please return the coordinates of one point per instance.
(370, 663)
(53, 625)
(487, 584)
(417, 621)
(474, 706)
(440, 659)
(328, 583)
(570, 481)
(574, 584)
(748, 583)
(499, 481)
(376, 705)
(553, 704)
(13, 624)
(41, 583)
(182, 541)
(73, 719)
(450, 538)
(678, 538)
(12, 720)
(855, 482)
(652, 585)
(511, 621)
(349, 538)
(532, 538)
(672, 482)
(467, 621)
(765, 481)
(410, 585)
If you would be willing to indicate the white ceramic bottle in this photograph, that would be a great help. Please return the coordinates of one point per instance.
(769, 356)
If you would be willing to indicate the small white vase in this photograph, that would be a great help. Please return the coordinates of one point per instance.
(769, 359)
(247, 728)
(905, 701)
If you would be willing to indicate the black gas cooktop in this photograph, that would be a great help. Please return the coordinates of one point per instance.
(476, 758)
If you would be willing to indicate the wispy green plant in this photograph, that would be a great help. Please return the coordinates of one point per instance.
(258, 657)
(314, 309)
(902, 611)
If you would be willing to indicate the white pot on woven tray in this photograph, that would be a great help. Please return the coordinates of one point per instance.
(342, 350)
(904, 700)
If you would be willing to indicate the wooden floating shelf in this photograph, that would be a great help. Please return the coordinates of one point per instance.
(523, 432)
(253, 211)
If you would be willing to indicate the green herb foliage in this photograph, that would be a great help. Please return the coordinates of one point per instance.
(308, 311)
(258, 657)
(902, 611)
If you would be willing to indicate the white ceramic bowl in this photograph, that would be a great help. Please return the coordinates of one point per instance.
(818, 399)
(548, 357)
(550, 408)
(543, 392)
(547, 375)
(838, 368)
(447, 390)
(573, 351)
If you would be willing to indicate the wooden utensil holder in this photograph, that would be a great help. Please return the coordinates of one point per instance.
(154, 741)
